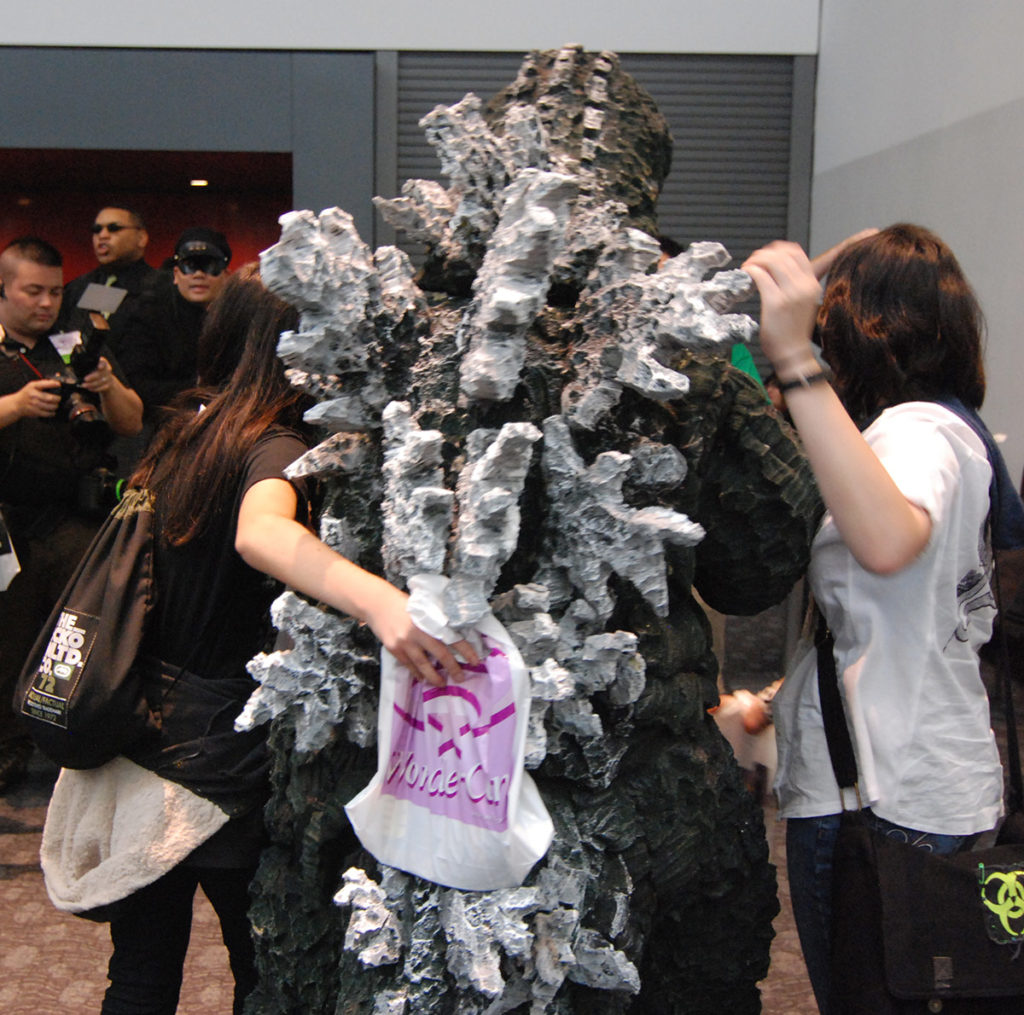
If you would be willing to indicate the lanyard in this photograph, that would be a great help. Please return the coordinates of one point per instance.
(24, 359)
(20, 354)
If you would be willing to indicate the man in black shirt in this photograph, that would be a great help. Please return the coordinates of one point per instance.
(119, 240)
(156, 339)
(51, 445)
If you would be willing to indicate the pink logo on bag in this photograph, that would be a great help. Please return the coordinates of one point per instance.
(453, 747)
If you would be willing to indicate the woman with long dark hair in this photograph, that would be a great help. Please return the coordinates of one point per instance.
(900, 565)
(226, 517)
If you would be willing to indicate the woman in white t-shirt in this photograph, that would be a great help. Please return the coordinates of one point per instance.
(900, 565)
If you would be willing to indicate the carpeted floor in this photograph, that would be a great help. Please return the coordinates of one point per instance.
(51, 962)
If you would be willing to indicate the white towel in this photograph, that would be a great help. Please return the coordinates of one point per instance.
(114, 829)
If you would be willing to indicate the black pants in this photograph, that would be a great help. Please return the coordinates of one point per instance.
(151, 937)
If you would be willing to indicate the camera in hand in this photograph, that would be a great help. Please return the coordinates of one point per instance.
(87, 422)
(84, 416)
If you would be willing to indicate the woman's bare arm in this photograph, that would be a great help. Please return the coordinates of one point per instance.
(883, 530)
(269, 539)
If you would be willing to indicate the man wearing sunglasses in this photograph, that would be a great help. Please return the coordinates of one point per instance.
(200, 264)
(119, 240)
(157, 339)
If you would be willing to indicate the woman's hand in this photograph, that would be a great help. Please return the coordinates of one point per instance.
(269, 539)
(389, 620)
(790, 296)
(822, 264)
(882, 529)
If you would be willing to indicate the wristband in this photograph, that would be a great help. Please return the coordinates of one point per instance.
(803, 381)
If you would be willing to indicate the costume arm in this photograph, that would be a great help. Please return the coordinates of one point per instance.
(269, 539)
(756, 495)
(882, 529)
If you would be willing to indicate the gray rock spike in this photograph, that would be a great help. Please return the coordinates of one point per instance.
(373, 931)
(513, 282)
(488, 492)
(423, 212)
(598, 534)
(319, 683)
(417, 507)
(638, 325)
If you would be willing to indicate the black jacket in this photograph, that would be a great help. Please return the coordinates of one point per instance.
(156, 341)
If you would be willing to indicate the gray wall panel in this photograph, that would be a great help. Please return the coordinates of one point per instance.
(145, 99)
(318, 106)
(333, 134)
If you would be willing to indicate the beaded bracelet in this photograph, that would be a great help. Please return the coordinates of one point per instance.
(803, 381)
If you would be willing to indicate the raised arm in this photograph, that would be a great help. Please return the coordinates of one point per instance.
(269, 539)
(883, 530)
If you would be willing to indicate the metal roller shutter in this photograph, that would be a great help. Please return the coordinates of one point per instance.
(732, 121)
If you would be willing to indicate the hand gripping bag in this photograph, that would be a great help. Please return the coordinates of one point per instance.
(451, 801)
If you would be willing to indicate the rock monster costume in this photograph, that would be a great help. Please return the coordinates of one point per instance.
(555, 427)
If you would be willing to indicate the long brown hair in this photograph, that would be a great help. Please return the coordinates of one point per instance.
(195, 461)
(900, 322)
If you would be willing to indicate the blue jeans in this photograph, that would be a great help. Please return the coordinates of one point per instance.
(810, 843)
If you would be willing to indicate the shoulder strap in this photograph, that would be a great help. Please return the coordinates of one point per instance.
(1015, 793)
(840, 748)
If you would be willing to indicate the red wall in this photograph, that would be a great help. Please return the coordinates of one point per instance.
(250, 225)
(247, 194)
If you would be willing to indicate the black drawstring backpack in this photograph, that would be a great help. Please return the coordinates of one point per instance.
(81, 692)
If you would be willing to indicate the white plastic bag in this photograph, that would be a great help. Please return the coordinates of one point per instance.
(9, 565)
(451, 801)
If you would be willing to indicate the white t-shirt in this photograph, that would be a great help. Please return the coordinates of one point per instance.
(906, 648)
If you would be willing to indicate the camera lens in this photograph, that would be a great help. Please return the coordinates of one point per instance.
(86, 421)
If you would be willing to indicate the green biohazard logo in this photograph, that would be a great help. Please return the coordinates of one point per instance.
(1002, 891)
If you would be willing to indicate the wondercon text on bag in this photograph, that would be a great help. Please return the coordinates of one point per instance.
(451, 801)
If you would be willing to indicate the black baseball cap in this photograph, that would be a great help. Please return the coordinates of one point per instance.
(202, 242)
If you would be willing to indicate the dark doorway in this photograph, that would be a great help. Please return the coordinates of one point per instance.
(55, 193)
